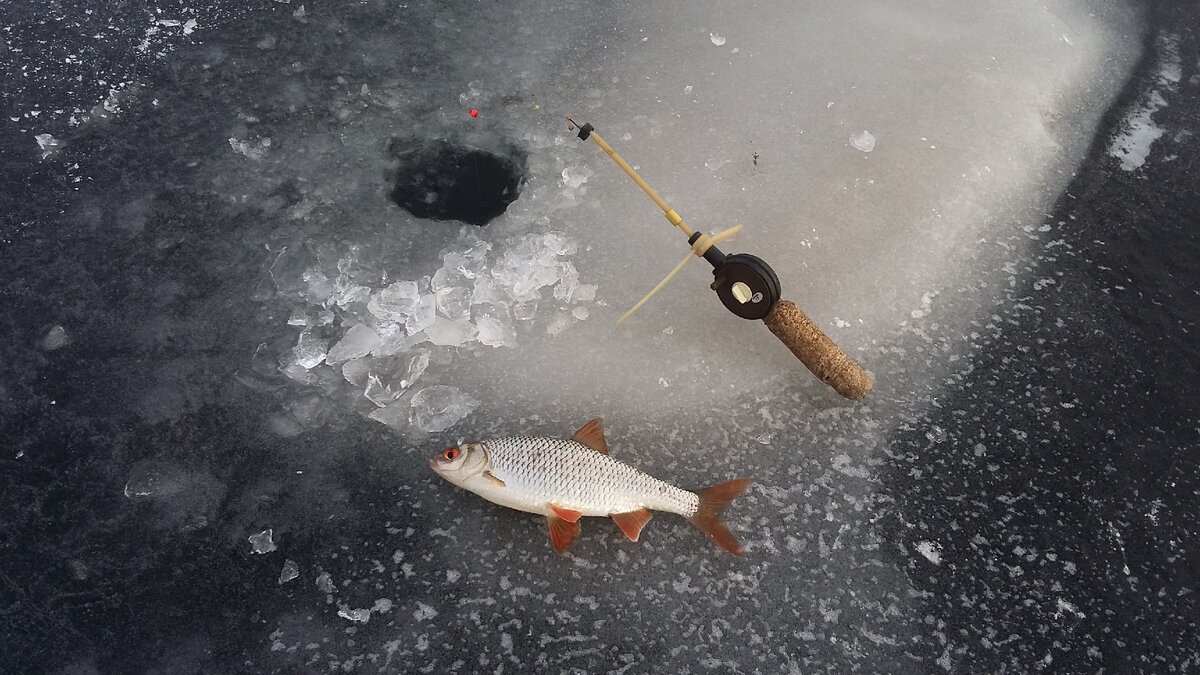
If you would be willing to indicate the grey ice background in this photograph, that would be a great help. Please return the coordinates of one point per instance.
(914, 255)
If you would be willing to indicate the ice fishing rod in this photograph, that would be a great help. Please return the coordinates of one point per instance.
(749, 288)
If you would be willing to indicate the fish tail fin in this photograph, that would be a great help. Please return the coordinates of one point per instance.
(707, 518)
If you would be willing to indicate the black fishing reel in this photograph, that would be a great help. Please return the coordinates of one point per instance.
(745, 283)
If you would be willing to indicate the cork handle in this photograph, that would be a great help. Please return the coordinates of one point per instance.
(824, 358)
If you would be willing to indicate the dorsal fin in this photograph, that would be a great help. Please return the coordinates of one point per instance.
(592, 435)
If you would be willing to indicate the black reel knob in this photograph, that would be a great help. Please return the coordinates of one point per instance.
(746, 285)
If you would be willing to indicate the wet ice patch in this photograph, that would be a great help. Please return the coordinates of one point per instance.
(1140, 131)
(289, 572)
(424, 612)
(931, 550)
(263, 542)
(255, 149)
(355, 615)
(864, 141)
(48, 144)
(55, 338)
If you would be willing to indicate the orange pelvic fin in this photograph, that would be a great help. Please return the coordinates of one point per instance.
(569, 515)
(708, 516)
(632, 522)
(592, 435)
(562, 532)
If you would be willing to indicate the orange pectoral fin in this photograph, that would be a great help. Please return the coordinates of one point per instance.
(569, 515)
(562, 532)
(632, 522)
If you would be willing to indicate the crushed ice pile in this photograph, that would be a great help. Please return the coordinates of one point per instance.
(359, 325)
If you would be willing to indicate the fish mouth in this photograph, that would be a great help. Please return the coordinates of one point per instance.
(433, 464)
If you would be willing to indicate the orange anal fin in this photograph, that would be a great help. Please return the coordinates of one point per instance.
(592, 435)
(708, 515)
(632, 522)
(569, 515)
(562, 532)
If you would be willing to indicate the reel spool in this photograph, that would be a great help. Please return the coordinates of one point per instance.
(748, 287)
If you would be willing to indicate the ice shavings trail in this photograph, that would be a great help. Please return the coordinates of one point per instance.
(1132, 144)
(362, 330)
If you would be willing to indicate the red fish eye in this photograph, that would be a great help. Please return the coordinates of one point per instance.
(450, 454)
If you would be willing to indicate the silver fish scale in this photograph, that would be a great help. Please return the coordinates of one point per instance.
(540, 470)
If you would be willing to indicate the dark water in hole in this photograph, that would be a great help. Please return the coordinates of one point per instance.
(441, 180)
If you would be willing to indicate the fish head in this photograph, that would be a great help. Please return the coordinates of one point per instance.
(460, 463)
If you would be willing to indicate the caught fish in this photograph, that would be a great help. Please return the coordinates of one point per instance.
(566, 479)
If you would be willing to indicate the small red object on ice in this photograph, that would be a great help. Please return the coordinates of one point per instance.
(474, 112)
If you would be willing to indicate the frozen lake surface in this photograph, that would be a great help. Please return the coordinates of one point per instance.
(260, 261)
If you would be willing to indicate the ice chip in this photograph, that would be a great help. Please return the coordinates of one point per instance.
(575, 176)
(296, 372)
(347, 292)
(931, 550)
(864, 141)
(356, 371)
(556, 243)
(448, 277)
(299, 317)
(524, 311)
(395, 302)
(317, 288)
(379, 393)
(568, 280)
(262, 542)
(310, 350)
(580, 313)
(48, 144)
(356, 343)
(325, 583)
(423, 316)
(55, 338)
(463, 266)
(439, 407)
(289, 572)
(496, 328)
(467, 256)
(395, 415)
(454, 303)
(716, 39)
(417, 363)
(559, 324)
(355, 615)
(485, 291)
(450, 333)
(584, 293)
